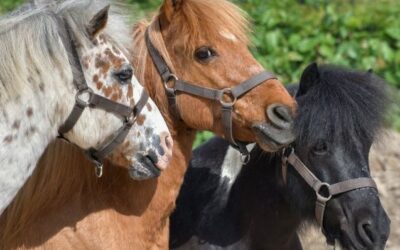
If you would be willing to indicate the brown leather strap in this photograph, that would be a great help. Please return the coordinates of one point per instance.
(324, 191)
(166, 75)
(74, 116)
(119, 136)
(345, 186)
(172, 85)
(251, 83)
(98, 101)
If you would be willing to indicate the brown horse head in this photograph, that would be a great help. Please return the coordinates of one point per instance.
(206, 43)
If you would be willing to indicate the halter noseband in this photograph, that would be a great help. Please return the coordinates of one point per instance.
(212, 94)
(127, 113)
(318, 186)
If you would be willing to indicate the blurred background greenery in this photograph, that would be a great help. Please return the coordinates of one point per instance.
(289, 34)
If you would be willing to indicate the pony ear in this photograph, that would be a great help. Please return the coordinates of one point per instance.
(168, 9)
(309, 78)
(98, 22)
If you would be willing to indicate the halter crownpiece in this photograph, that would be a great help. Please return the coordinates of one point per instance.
(173, 84)
(86, 98)
(324, 191)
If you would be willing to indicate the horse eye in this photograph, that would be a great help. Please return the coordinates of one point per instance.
(320, 148)
(125, 75)
(204, 54)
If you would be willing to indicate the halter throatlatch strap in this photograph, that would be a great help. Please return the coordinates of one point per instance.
(173, 84)
(323, 190)
(86, 98)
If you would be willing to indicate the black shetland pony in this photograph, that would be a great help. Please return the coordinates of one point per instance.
(223, 205)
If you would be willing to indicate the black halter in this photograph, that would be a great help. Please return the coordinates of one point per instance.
(127, 113)
(172, 85)
(324, 191)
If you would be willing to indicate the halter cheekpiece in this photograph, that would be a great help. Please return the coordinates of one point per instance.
(86, 98)
(323, 191)
(173, 85)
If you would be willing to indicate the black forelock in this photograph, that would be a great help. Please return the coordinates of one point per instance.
(343, 104)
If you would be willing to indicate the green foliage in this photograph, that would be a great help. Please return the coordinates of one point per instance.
(202, 137)
(288, 35)
(7, 5)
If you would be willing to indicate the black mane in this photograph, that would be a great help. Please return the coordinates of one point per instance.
(343, 103)
(212, 211)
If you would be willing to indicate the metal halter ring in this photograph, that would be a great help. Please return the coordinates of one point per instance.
(80, 101)
(228, 92)
(318, 188)
(131, 119)
(170, 78)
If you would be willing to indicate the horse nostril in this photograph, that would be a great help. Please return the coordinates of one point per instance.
(280, 116)
(167, 144)
(367, 233)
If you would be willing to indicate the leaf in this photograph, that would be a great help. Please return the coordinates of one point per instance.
(394, 32)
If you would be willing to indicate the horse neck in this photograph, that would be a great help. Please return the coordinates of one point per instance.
(246, 210)
(273, 220)
(29, 122)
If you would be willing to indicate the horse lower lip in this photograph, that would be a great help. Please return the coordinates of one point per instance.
(149, 163)
(146, 168)
(273, 136)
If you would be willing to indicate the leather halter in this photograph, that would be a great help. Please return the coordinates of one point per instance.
(127, 113)
(173, 84)
(329, 190)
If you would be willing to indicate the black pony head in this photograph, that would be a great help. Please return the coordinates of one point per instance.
(339, 115)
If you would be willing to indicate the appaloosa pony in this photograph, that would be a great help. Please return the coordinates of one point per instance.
(202, 42)
(260, 206)
(62, 74)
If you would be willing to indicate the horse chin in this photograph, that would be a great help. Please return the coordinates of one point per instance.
(271, 138)
(346, 240)
(144, 169)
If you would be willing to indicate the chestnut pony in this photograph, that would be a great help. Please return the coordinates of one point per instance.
(203, 42)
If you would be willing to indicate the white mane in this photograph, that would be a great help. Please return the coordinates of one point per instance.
(30, 45)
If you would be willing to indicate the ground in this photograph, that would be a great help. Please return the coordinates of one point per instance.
(385, 167)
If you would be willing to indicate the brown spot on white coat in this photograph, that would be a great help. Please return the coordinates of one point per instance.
(148, 106)
(29, 112)
(8, 139)
(140, 119)
(16, 124)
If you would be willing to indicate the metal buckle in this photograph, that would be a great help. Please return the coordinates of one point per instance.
(227, 92)
(244, 158)
(173, 78)
(83, 102)
(320, 197)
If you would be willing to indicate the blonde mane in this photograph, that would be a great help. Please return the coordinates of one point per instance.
(63, 170)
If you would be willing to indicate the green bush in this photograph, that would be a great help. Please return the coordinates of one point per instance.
(7, 5)
(288, 35)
